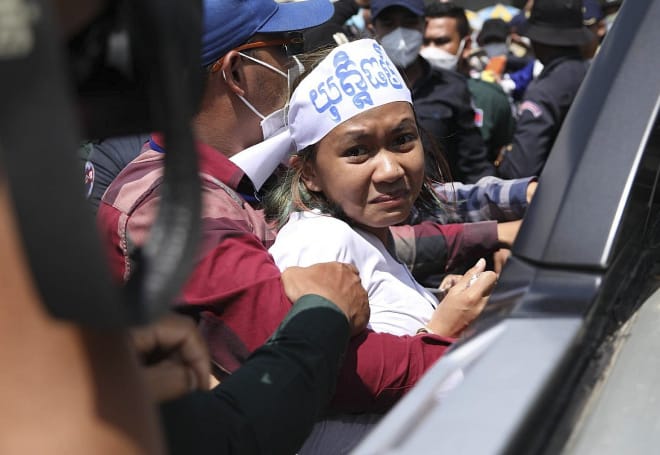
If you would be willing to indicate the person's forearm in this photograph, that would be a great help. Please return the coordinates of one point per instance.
(423, 247)
(430, 248)
(379, 368)
(491, 198)
(295, 370)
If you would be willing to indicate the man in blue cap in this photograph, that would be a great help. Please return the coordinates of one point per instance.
(557, 33)
(236, 290)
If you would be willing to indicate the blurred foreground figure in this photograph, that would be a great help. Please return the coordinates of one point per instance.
(64, 388)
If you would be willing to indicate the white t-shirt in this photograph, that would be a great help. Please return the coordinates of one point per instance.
(399, 305)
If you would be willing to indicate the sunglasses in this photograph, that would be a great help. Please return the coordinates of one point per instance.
(291, 45)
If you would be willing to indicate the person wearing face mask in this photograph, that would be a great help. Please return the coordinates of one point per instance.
(447, 45)
(440, 96)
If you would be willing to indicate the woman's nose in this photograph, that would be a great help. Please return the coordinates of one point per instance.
(388, 168)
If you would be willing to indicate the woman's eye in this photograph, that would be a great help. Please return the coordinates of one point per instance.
(356, 152)
(404, 139)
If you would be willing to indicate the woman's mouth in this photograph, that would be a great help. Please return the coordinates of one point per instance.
(394, 196)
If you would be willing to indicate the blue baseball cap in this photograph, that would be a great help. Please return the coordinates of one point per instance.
(377, 6)
(230, 23)
(592, 12)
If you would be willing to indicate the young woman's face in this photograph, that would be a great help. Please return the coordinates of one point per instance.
(372, 166)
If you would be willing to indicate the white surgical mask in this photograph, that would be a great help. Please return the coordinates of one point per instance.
(402, 45)
(440, 58)
(276, 120)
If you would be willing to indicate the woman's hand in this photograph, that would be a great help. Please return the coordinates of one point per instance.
(448, 282)
(464, 301)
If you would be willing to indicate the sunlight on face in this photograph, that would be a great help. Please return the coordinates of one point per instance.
(442, 32)
(372, 166)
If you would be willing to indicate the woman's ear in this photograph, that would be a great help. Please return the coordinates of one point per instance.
(231, 70)
(307, 173)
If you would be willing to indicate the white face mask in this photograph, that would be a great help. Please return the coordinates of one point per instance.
(402, 45)
(440, 58)
(276, 120)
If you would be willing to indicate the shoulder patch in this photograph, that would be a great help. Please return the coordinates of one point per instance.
(530, 106)
(478, 117)
(89, 178)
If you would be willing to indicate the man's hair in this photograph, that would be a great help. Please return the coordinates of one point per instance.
(435, 8)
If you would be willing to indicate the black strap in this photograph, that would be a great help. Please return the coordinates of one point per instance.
(168, 52)
(38, 141)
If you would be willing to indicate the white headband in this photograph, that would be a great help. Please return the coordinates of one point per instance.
(353, 78)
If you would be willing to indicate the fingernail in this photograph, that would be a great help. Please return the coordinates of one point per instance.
(481, 262)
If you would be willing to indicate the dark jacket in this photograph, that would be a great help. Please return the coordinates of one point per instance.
(540, 116)
(444, 110)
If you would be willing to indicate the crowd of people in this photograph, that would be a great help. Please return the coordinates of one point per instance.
(365, 166)
(387, 146)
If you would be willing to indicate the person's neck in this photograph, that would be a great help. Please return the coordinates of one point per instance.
(225, 133)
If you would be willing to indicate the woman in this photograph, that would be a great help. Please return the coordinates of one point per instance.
(359, 169)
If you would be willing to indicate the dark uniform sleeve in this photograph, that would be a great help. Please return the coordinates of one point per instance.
(270, 404)
(541, 115)
(535, 134)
